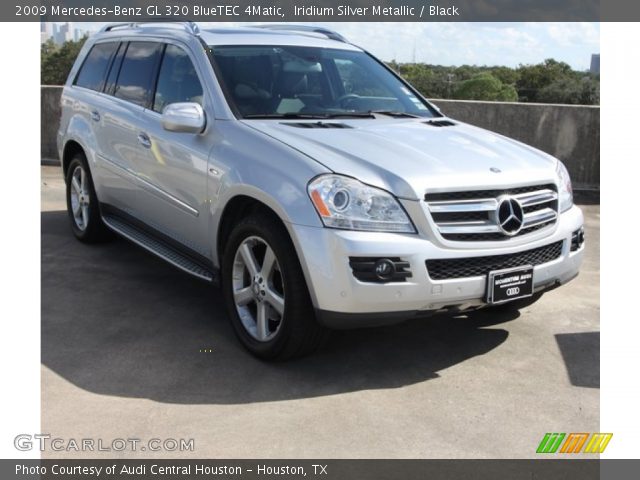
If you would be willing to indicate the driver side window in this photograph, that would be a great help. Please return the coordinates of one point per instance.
(177, 80)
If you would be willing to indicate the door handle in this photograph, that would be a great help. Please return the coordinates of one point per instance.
(95, 116)
(144, 140)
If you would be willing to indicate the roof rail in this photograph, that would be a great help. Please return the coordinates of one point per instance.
(304, 29)
(189, 27)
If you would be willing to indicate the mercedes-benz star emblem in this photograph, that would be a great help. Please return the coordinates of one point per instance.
(509, 215)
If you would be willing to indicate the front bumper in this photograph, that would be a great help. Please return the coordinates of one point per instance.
(343, 301)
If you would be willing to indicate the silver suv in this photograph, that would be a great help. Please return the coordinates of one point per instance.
(307, 178)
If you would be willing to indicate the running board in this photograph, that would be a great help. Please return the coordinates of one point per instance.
(159, 248)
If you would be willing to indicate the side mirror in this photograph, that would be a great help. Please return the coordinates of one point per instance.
(183, 117)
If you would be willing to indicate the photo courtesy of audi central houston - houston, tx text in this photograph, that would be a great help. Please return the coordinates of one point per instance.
(319, 240)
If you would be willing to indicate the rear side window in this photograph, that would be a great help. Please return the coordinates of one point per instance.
(94, 68)
(137, 71)
(177, 80)
(112, 76)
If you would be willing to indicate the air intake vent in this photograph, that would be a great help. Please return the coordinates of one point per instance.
(440, 123)
(444, 269)
(316, 125)
(577, 239)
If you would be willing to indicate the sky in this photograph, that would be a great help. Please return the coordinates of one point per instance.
(459, 43)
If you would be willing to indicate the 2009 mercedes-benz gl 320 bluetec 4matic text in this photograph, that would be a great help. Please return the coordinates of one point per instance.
(314, 184)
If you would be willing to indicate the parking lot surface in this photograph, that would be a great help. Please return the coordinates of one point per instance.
(133, 348)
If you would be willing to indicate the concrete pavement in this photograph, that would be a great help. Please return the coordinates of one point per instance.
(123, 336)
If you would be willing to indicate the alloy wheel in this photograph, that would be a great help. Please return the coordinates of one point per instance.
(258, 289)
(80, 198)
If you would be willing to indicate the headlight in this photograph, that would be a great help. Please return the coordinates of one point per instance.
(343, 202)
(566, 191)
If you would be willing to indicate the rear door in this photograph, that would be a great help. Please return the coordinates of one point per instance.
(127, 92)
(87, 101)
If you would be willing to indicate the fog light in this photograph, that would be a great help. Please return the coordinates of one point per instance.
(385, 269)
(577, 239)
(380, 270)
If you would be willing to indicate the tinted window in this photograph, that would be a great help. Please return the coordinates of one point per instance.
(95, 66)
(110, 84)
(273, 81)
(177, 81)
(356, 80)
(137, 71)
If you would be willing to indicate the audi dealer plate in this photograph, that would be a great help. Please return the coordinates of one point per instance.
(510, 284)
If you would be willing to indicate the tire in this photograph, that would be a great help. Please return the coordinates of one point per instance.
(269, 307)
(82, 203)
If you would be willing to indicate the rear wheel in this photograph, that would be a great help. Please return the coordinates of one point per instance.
(266, 293)
(82, 202)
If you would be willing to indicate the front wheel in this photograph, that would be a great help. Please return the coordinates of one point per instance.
(266, 293)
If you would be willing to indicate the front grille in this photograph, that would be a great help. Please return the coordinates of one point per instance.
(472, 215)
(480, 266)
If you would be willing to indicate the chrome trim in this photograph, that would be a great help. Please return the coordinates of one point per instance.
(448, 206)
(538, 217)
(150, 187)
(536, 198)
(469, 227)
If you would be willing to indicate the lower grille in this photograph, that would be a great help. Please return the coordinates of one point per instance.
(481, 266)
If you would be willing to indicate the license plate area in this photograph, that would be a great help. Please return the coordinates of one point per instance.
(509, 284)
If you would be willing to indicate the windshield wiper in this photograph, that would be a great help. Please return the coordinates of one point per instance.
(394, 113)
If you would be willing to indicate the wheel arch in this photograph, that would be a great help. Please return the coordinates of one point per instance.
(236, 208)
(70, 150)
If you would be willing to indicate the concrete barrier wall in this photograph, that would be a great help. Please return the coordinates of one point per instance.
(570, 133)
(49, 121)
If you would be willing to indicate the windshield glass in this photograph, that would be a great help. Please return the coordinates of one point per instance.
(310, 82)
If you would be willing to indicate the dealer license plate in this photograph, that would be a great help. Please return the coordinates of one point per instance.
(509, 284)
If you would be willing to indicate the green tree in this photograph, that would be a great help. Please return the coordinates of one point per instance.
(56, 61)
(506, 75)
(418, 75)
(485, 86)
(534, 78)
(550, 82)
(572, 90)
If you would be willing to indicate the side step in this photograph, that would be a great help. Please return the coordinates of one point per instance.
(166, 252)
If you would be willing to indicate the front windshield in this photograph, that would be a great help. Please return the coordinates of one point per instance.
(308, 82)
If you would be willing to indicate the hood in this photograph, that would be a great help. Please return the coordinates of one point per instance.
(410, 157)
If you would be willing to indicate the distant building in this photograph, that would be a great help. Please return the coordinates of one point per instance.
(595, 64)
(46, 31)
(61, 32)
